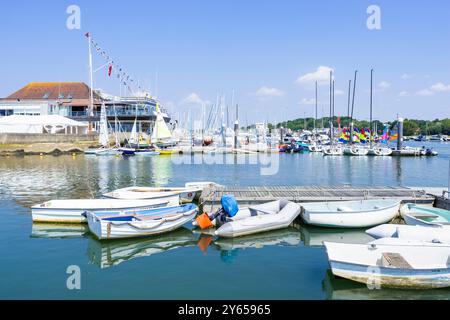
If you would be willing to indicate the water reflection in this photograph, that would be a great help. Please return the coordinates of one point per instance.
(105, 254)
(315, 236)
(60, 231)
(342, 289)
(230, 248)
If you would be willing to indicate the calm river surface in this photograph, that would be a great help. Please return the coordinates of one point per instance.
(286, 264)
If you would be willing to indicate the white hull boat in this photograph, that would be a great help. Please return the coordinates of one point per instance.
(186, 194)
(142, 223)
(380, 152)
(255, 220)
(423, 215)
(71, 211)
(413, 266)
(332, 151)
(418, 233)
(350, 214)
(356, 151)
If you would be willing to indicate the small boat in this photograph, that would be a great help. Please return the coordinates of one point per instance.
(356, 151)
(435, 234)
(423, 215)
(350, 214)
(255, 220)
(186, 194)
(128, 151)
(392, 264)
(332, 151)
(70, 211)
(380, 151)
(167, 151)
(140, 223)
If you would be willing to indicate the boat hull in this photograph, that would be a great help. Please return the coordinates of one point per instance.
(427, 265)
(186, 195)
(71, 211)
(260, 223)
(107, 229)
(350, 219)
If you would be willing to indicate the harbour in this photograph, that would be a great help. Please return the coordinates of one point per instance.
(211, 152)
(297, 250)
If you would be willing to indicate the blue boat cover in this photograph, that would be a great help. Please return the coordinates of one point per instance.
(229, 205)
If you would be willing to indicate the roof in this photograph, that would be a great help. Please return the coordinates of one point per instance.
(53, 91)
(40, 120)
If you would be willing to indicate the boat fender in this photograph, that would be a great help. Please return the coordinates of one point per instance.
(229, 205)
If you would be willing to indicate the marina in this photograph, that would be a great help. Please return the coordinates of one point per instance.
(221, 151)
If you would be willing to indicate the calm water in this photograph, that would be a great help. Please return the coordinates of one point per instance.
(286, 264)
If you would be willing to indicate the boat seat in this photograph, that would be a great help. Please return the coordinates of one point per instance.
(394, 260)
(254, 211)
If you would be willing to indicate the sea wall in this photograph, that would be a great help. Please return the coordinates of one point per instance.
(26, 138)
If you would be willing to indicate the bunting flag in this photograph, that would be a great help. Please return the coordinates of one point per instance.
(121, 74)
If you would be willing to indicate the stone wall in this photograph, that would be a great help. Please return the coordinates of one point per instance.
(25, 138)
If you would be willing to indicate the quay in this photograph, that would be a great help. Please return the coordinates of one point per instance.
(246, 196)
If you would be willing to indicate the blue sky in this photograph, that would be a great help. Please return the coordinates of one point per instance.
(199, 48)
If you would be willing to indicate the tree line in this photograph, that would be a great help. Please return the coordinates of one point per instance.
(411, 127)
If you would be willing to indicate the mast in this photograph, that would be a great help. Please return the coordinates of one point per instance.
(331, 108)
(91, 81)
(315, 118)
(371, 105)
(353, 107)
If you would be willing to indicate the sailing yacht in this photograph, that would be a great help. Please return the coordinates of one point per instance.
(161, 135)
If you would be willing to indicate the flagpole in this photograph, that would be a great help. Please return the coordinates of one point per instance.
(91, 91)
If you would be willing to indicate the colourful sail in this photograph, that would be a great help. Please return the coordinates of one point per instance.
(385, 136)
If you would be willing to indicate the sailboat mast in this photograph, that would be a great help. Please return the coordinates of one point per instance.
(331, 107)
(371, 105)
(315, 118)
(353, 107)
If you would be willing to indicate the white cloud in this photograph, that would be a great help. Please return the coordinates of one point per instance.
(308, 101)
(425, 92)
(438, 87)
(266, 92)
(339, 92)
(383, 85)
(403, 94)
(406, 76)
(192, 98)
(321, 75)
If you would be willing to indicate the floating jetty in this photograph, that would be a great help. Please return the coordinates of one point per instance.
(255, 195)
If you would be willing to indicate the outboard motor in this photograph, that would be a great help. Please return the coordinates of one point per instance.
(229, 209)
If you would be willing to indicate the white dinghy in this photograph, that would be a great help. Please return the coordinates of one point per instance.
(186, 194)
(350, 214)
(423, 215)
(392, 264)
(142, 223)
(255, 220)
(70, 211)
(427, 234)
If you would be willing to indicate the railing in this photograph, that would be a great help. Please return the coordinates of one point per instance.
(111, 113)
